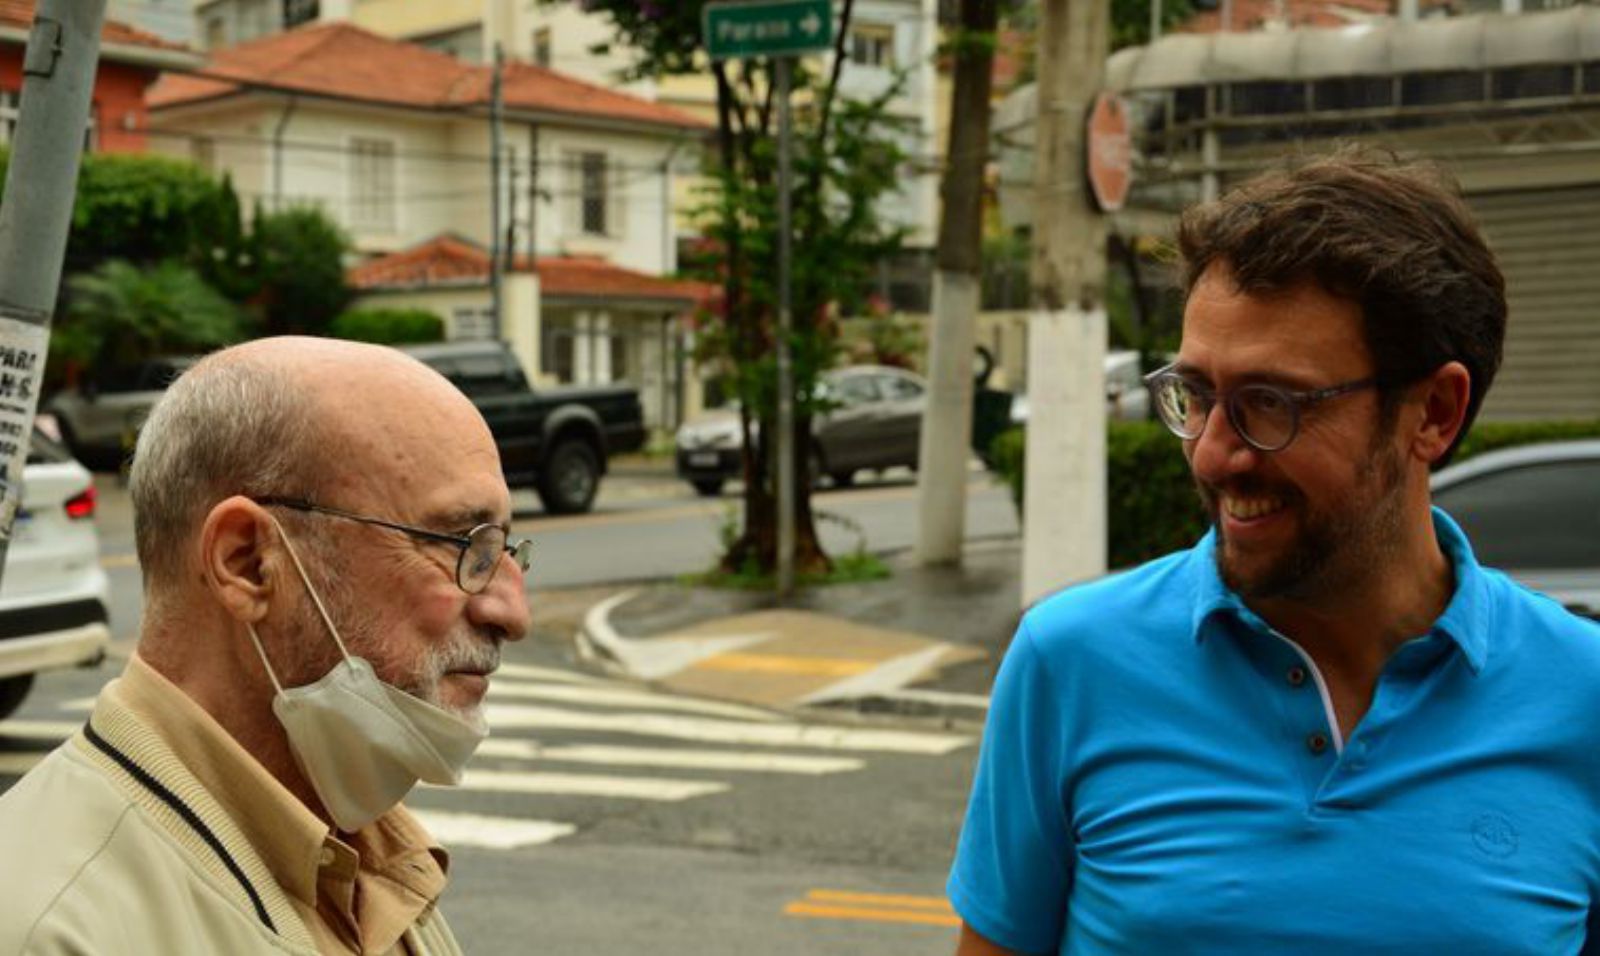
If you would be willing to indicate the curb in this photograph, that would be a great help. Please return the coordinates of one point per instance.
(651, 659)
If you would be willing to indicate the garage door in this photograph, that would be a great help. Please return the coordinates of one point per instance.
(1548, 244)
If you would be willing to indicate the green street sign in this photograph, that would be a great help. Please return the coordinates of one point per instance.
(767, 28)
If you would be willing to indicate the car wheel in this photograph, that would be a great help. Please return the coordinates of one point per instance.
(708, 487)
(570, 478)
(843, 479)
(12, 692)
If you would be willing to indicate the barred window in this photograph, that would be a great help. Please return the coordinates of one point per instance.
(594, 195)
(372, 187)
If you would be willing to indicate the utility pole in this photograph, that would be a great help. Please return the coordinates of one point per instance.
(1064, 512)
(496, 268)
(508, 257)
(58, 72)
(957, 287)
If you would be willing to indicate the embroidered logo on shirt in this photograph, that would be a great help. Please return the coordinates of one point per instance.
(1495, 836)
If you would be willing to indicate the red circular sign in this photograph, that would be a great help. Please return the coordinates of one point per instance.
(1110, 152)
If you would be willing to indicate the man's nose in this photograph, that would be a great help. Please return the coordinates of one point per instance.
(503, 605)
(1220, 452)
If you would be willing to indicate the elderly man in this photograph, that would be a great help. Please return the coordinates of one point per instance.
(322, 528)
(1325, 729)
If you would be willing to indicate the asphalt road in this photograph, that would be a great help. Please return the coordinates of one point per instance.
(604, 817)
(647, 528)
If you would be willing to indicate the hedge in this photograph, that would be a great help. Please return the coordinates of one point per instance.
(388, 326)
(1154, 508)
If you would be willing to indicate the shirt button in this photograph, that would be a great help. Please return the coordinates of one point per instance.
(1296, 676)
(1317, 742)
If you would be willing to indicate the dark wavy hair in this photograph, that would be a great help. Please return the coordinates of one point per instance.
(1394, 236)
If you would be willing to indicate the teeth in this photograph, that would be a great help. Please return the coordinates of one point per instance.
(1247, 508)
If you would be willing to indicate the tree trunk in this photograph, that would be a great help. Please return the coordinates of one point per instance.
(947, 418)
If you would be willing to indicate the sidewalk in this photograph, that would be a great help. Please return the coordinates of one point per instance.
(924, 642)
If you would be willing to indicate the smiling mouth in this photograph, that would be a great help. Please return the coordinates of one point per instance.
(1251, 509)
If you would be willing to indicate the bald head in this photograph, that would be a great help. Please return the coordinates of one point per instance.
(288, 416)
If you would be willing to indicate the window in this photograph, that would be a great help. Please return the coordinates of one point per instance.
(473, 324)
(372, 194)
(592, 194)
(1439, 89)
(216, 33)
(1533, 82)
(1266, 99)
(203, 151)
(296, 12)
(1545, 515)
(558, 349)
(855, 390)
(1354, 92)
(899, 389)
(541, 46)
(872, 45)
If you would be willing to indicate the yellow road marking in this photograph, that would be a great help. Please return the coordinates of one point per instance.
(819, 911)
(778, 664)
(881, 899)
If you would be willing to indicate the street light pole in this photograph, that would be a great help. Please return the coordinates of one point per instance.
(786, 437)
(58, 72)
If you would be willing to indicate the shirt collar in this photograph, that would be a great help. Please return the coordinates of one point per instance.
(1467, 619)
(289, 838)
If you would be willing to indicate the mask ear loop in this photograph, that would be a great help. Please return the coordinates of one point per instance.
(256, 639)
(306, 579)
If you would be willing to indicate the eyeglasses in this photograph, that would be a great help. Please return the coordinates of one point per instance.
(1265, 416)
(481, 547)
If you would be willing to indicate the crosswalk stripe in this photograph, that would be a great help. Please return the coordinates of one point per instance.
(39, 729)
(531, 672)
(490, 833)
(608, 697)
(515, 716)
(678, 759)
(586, 785)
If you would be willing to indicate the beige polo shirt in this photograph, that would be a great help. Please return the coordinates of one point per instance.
(355, 895)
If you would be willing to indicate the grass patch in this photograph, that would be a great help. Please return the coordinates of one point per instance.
(853, 568)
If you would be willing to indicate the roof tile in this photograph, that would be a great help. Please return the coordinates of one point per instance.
(342, 60)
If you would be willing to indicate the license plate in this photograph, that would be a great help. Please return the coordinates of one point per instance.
(703, 459)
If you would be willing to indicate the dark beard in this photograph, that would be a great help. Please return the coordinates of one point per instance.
(1334, 549)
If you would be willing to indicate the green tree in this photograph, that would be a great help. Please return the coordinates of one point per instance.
(298, 267)
(845, 163)
(123, 313)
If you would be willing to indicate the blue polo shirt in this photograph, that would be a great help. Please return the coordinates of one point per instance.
(1161, 773)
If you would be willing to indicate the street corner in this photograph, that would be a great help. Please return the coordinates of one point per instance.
(779, 658)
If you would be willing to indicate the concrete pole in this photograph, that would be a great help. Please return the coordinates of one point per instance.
(58, 73)
(786, 437)
(1064, 511)
(957, 284)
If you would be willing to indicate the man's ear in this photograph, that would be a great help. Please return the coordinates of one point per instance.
(1443, 398)
(238, 552)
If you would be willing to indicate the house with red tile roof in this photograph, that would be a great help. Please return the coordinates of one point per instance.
(393, 140)
(130, 61)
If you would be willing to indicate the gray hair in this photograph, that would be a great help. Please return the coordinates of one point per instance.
(232, 425)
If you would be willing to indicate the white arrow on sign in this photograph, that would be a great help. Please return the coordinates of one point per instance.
(811, 24)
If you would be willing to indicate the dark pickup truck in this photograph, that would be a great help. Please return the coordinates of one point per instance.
(556, 440)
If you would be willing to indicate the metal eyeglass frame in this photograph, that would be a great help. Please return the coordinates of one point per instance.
(521, 551)
(1296, 402)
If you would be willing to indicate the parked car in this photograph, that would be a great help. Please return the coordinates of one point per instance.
(555, 440)
(53, 594)
(99, 419)
(1126, 397)
(1534, 512)
(875, 423)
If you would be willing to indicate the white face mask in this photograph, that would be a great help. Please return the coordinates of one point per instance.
(362, 743)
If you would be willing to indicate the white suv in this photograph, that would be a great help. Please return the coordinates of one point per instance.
(53, 592)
